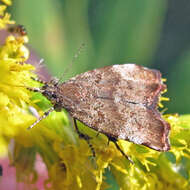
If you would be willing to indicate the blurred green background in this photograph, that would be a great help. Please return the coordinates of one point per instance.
(153, 33)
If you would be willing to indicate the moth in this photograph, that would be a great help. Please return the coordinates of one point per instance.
(119, 101)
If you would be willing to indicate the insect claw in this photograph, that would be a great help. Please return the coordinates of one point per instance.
(85, 137)
(120, 150)
(108, 142)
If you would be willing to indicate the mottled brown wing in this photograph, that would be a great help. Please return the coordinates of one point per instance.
(119, 101)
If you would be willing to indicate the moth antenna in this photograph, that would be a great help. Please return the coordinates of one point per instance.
(120, 150)
(85, 137)
(33, 89)
(28, 88)
(41, 118)
(73, 60)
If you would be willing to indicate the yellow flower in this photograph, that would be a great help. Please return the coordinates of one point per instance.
(13, 71)
(5, 17)
(7, 2)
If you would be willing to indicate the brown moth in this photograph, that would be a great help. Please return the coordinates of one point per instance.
(119, 101)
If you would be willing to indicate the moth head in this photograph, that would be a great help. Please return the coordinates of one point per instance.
(49, 90)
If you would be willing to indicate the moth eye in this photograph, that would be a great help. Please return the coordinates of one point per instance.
(54, 96)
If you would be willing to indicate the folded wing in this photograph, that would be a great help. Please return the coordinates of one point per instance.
(119, 101)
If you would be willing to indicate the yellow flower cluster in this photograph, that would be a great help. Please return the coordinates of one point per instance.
(12, 71)
(68, 159)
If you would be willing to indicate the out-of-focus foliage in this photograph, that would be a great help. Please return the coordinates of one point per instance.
(114, 32)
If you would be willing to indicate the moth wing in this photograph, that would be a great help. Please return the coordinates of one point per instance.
(130, 82)
(119, 101)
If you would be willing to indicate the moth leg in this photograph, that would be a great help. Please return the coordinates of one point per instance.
(39, 80)
(41, 118)
(53, 81)
(108, 141)
(34, 89)
(97, 134)
(85, 137)
(119, 148)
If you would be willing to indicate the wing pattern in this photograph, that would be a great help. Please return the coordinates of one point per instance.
(119, 101)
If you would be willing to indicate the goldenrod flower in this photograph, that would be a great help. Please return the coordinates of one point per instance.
(68, 159)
